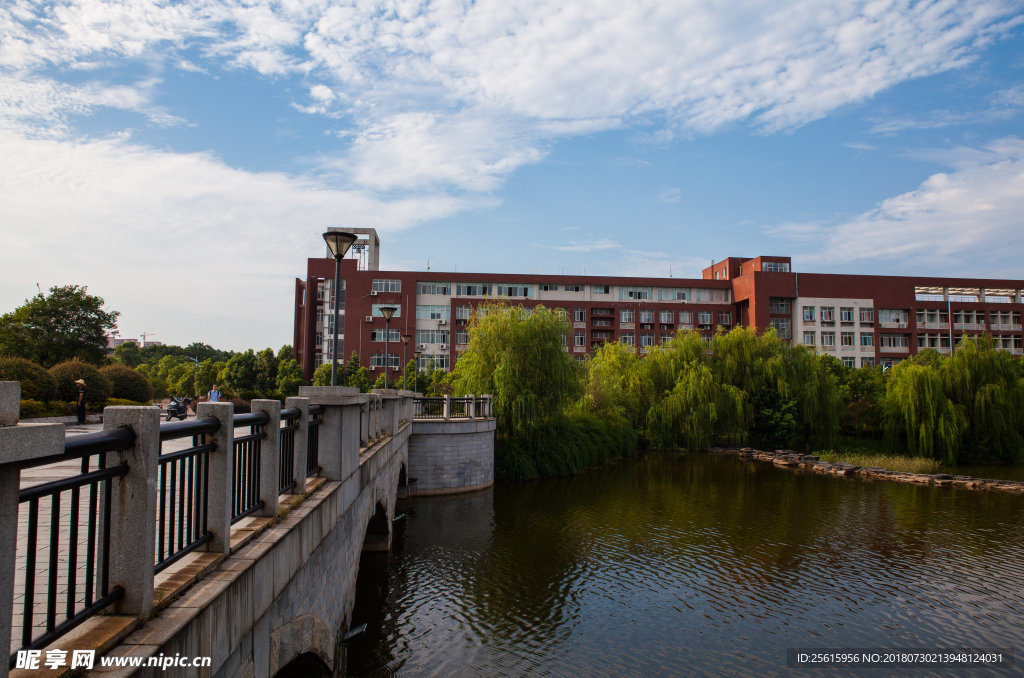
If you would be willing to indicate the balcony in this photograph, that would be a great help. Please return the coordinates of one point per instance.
(686, 327)
(893, 326)
(579, 325)
(867, 349)
(1004, 326)
(1015, 328)
(625, 326)
(579, 349)
(849, 348)
(809, 323)
(933, 326)
(894, 349)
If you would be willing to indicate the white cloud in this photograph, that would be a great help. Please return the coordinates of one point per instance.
(858, 146)
(1003, 105)
(133, 222)
(973, 214)
(670, 195)
(590, 245)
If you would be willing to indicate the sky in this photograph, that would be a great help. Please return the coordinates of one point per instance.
(182, 159)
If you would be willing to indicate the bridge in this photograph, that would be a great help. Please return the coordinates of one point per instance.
(229, 541)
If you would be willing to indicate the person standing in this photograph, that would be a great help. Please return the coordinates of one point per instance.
(214, 394)
(83, 394)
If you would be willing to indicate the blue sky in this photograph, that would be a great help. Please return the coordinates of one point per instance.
(182, 158)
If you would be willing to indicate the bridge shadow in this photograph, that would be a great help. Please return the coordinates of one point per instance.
(306, 665)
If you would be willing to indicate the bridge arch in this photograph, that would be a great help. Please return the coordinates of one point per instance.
(300, 646)
(378, 530)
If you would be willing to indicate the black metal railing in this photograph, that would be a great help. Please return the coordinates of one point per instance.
(286, 460)
(245, 486)
(316, 413)
(183, 491)
(428, 408)
(458, 408)
(71, 601)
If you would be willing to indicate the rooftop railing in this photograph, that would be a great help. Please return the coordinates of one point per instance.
(446, 407)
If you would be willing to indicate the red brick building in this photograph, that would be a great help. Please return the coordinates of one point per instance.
(863, 320)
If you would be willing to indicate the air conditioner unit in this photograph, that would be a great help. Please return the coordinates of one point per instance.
(373, 367)
(369, 318)
(444, 347)
(442, 321)
(373, 293)
(394, 369)
(422, 347)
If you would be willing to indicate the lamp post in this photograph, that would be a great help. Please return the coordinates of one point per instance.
(339, 243)
(388, 312)
(415, 380)
(405, 361)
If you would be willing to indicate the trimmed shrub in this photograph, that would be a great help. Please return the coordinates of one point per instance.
(128, 383)
(31, 409)
(36, 382)
(241, 406)
(65, 374)
(121, 402)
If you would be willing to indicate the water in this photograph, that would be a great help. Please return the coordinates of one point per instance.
(689, 565)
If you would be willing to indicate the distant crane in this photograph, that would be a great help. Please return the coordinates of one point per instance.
(144, 335)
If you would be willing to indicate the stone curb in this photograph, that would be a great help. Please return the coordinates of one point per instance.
(794, 460)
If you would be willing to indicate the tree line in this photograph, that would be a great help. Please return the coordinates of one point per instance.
(557, 415)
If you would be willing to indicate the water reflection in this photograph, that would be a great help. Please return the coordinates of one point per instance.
(687, 565)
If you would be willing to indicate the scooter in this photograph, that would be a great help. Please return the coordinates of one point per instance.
(178, 408)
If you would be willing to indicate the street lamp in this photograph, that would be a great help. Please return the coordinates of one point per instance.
(405, 361)
(388, 312)
(339, 243)
(416, 357)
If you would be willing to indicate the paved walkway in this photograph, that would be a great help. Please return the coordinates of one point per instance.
(67, 580)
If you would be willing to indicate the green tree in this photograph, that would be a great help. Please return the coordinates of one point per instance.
(128, 354)
(127, 383)
(285, 353)
(350, 368)
(49, 329)
(289, 377)
(36, 383)
(266, 371)
(65, 374)
(240, 373)
(322, 375)
(206, 376)
(361, 379)
(379, 383)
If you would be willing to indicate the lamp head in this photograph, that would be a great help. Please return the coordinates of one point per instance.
(417, 354)
(339, 242)
(406, 338)
(388, 312)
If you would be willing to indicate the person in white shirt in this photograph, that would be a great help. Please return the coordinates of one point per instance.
(214, 394)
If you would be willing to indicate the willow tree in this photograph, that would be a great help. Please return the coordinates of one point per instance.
(919, 415)
(518, 355)
(699, 410)
(817, 393)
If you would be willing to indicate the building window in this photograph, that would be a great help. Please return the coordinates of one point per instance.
(562, 313)
(579, 315)
(440, 361)
(375, 310)
(724, 318)
(428, 312)
(894, 340)
(634, 292)
(319, 338)
(627, 339)
(432, 336)
(387, 285)
(846, 314)
(473, 289)
(320, 293)
(574, 288)
(828, 314)
(647, 340)
(601, 289)
(867, 315)
(712, 295)
(808, 314)
(667, 316)
(809, 338)
(432, 288)
(320, 315)
(626, 315)
(602, 322)
(867, 362)
(579, 339)
(775, 267)
(779, 305)
(463, 312)
(665, 338)
(782, 327)
(378, 334)
(461, 337)
(828, 339)
(704, 318)
(674, 294)
(849, 362)
(647, 316)
(846, 339)
(892, 315)
(686, 317)
(600, 335)
(515, 290)
(867, 338)
(377, 360)
(318, 361)
(549, 288)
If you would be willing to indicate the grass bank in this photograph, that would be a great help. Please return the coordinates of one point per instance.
(891, 462)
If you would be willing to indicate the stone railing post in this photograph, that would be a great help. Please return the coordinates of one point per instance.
(447, 411)
(339, 428)
(222, 468)
(364, 423)
(18, 443)
(301, 441)
(471, 407)
(133, 508)
(270, 456)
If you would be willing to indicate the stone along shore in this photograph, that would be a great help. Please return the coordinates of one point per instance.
(794, 460)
